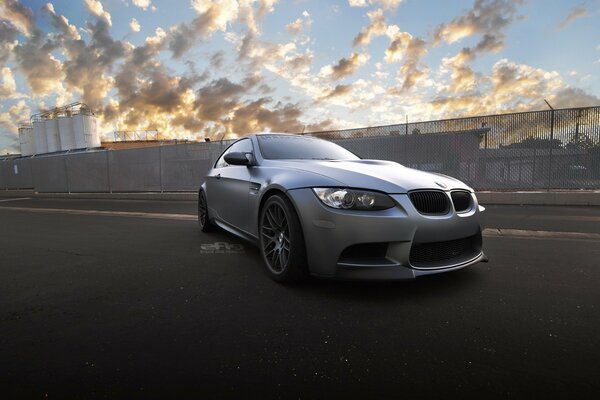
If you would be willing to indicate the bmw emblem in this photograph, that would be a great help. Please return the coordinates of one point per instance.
(440, 184)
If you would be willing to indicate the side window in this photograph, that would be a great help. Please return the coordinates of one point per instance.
(242, 146)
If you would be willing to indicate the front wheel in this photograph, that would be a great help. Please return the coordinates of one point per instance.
(281, 240)
(203, 217)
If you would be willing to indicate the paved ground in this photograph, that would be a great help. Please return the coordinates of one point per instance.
(111, 305)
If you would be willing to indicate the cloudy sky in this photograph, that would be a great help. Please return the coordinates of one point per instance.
(199, 68)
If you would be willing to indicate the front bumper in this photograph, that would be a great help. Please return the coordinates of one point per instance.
(328, 232)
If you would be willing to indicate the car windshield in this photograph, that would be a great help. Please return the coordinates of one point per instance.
(287, 147)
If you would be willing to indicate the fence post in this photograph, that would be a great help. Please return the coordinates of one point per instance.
(551, 143)
(551, 148)
(67, 174)
(1, 172)
(108, 171)
(160, 166)
(485, 158)
(405, 162)
(520, 166)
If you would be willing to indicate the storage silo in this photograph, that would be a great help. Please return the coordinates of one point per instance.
(86, 131)
(26, 140)
(52, 134)
(65, 130)
(94, 138)
(39, 136)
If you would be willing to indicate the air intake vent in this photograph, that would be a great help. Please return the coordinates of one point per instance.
(445, 254)
(430, 201)
(461, 200)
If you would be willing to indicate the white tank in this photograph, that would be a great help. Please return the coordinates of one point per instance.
(52, 135)
(26, 139)
(65, 130)
(39, 137)
(86, 131)
(93, 138)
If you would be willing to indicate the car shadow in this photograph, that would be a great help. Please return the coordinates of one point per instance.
(427, 286)
(439, 285)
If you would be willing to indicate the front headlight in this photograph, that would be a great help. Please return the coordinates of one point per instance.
(353, 199)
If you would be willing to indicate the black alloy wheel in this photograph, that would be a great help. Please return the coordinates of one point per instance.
(203, 218)
(281, 240)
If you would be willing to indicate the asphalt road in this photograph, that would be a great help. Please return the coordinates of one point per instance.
(101, 305)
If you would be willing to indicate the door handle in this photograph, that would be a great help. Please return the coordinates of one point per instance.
(218, 176)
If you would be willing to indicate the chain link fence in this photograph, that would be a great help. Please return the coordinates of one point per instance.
(554, 149)
(171, 167)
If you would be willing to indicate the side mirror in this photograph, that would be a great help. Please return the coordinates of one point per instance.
(236, 158)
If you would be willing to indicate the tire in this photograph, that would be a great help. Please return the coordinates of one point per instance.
(203, 217)
(281, 241)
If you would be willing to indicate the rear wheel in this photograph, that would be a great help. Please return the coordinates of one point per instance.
(203, 218)
(281, 240)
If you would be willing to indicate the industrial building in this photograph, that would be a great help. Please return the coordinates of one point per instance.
(70, 127)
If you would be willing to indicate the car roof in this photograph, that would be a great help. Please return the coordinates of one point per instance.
(273, 133)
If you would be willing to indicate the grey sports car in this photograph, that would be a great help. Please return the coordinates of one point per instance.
(313, 207)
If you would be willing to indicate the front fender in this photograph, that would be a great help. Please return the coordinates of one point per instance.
(265, 180)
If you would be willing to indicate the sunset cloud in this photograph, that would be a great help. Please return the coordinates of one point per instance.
(8, 40)
(377, 27)
(514, 87)
(226, 68)
(19, 15)
(143, 4)
(574, 14)
(42, 71)
(387, 4)
(10, 119)
(345, 66)
(96, 8)
(8, 87)
(299, 24)
(251, 14)
(487, 18)
(339, 90)
(61, 23)
(217, 14)
(410, 71)
(134, 25)
(90, 65)
(212, 16)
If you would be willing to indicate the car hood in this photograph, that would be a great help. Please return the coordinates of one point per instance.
(385, 176)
